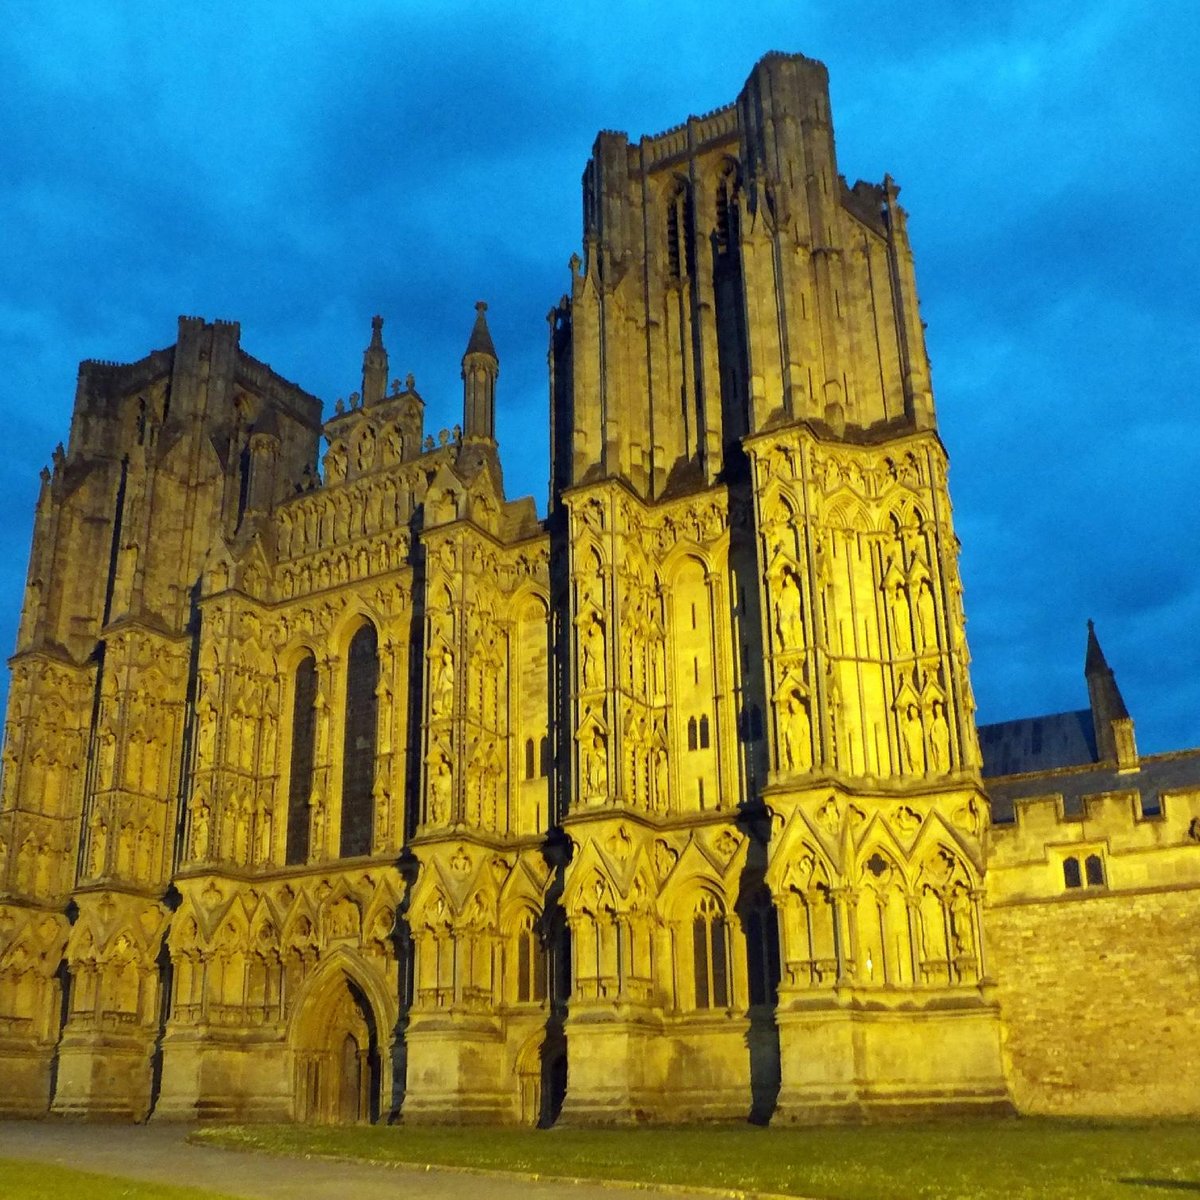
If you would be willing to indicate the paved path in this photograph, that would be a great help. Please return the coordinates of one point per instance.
(160, 1154)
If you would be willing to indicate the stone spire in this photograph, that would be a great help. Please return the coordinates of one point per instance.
(480, 369)
(1110, 718)
(375, 366)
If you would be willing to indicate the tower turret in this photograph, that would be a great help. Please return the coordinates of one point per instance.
(375, 366)
(480, 369)
(1110, 718)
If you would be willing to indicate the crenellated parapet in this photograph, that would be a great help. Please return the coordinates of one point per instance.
(1111, 843)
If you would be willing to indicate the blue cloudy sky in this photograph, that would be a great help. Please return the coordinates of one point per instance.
(300, 166)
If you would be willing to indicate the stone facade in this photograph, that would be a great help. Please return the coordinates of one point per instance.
(361, 792)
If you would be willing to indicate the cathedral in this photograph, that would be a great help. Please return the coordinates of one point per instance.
(338, 786)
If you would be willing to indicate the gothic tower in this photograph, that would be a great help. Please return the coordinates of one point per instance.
(196, 440)
(767, 674)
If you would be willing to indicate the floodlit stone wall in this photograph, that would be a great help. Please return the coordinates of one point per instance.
(1098, 982)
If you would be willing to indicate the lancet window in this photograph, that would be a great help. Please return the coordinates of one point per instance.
(680, 236)
(1080, 871)
(300, 778)
(710, 954)
(531, 962)
(358, 759)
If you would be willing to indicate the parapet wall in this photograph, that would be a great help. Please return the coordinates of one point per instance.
(1137, 849)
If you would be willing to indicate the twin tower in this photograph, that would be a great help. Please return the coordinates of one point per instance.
(345, 793)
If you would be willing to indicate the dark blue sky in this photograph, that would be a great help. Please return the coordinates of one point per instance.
(298, 167)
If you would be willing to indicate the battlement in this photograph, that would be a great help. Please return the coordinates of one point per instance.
(260, 377)
(696, 134)
(1117, 840)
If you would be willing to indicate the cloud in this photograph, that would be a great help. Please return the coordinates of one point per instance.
(299, 168)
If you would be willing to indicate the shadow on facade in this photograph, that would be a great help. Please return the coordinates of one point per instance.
(756, 911)
(556, 938)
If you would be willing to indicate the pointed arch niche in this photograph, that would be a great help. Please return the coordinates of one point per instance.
(530, 717)
(694, 687)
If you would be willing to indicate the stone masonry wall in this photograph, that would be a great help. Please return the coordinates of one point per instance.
(1100, 997)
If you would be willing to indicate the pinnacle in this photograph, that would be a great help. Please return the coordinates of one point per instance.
(481, 338)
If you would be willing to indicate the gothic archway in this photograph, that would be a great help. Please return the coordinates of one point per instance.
(337, 1061)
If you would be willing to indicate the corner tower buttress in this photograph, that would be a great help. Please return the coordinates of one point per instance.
(763, 611)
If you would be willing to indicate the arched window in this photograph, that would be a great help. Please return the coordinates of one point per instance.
(1072, 876)
(531, 963)
(693, 739)
(545, 756)
(1094, 870)
(704, 739)
(529, 758)
(358, 758)
(300, 778)
(710, 954)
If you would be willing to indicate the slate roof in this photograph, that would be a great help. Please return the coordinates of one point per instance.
(1155, 774)
(1046, 743)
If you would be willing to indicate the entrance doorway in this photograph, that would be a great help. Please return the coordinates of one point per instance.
(337, 1058)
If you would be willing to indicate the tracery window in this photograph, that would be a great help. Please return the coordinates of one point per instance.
(710, 954)
(300, 777)
(358, 758)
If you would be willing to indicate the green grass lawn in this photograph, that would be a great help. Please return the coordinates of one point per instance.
(22, 1180)
(964, 1160)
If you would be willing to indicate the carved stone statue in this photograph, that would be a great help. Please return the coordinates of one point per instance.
(440, 782)
(595, 768)
(442, 698)
(913, 738)
(789, 615)
(98, 846)
(199, 832)
(901, 618)
(593, 654)
(926, 616)
(939, 738)
(796, 734)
